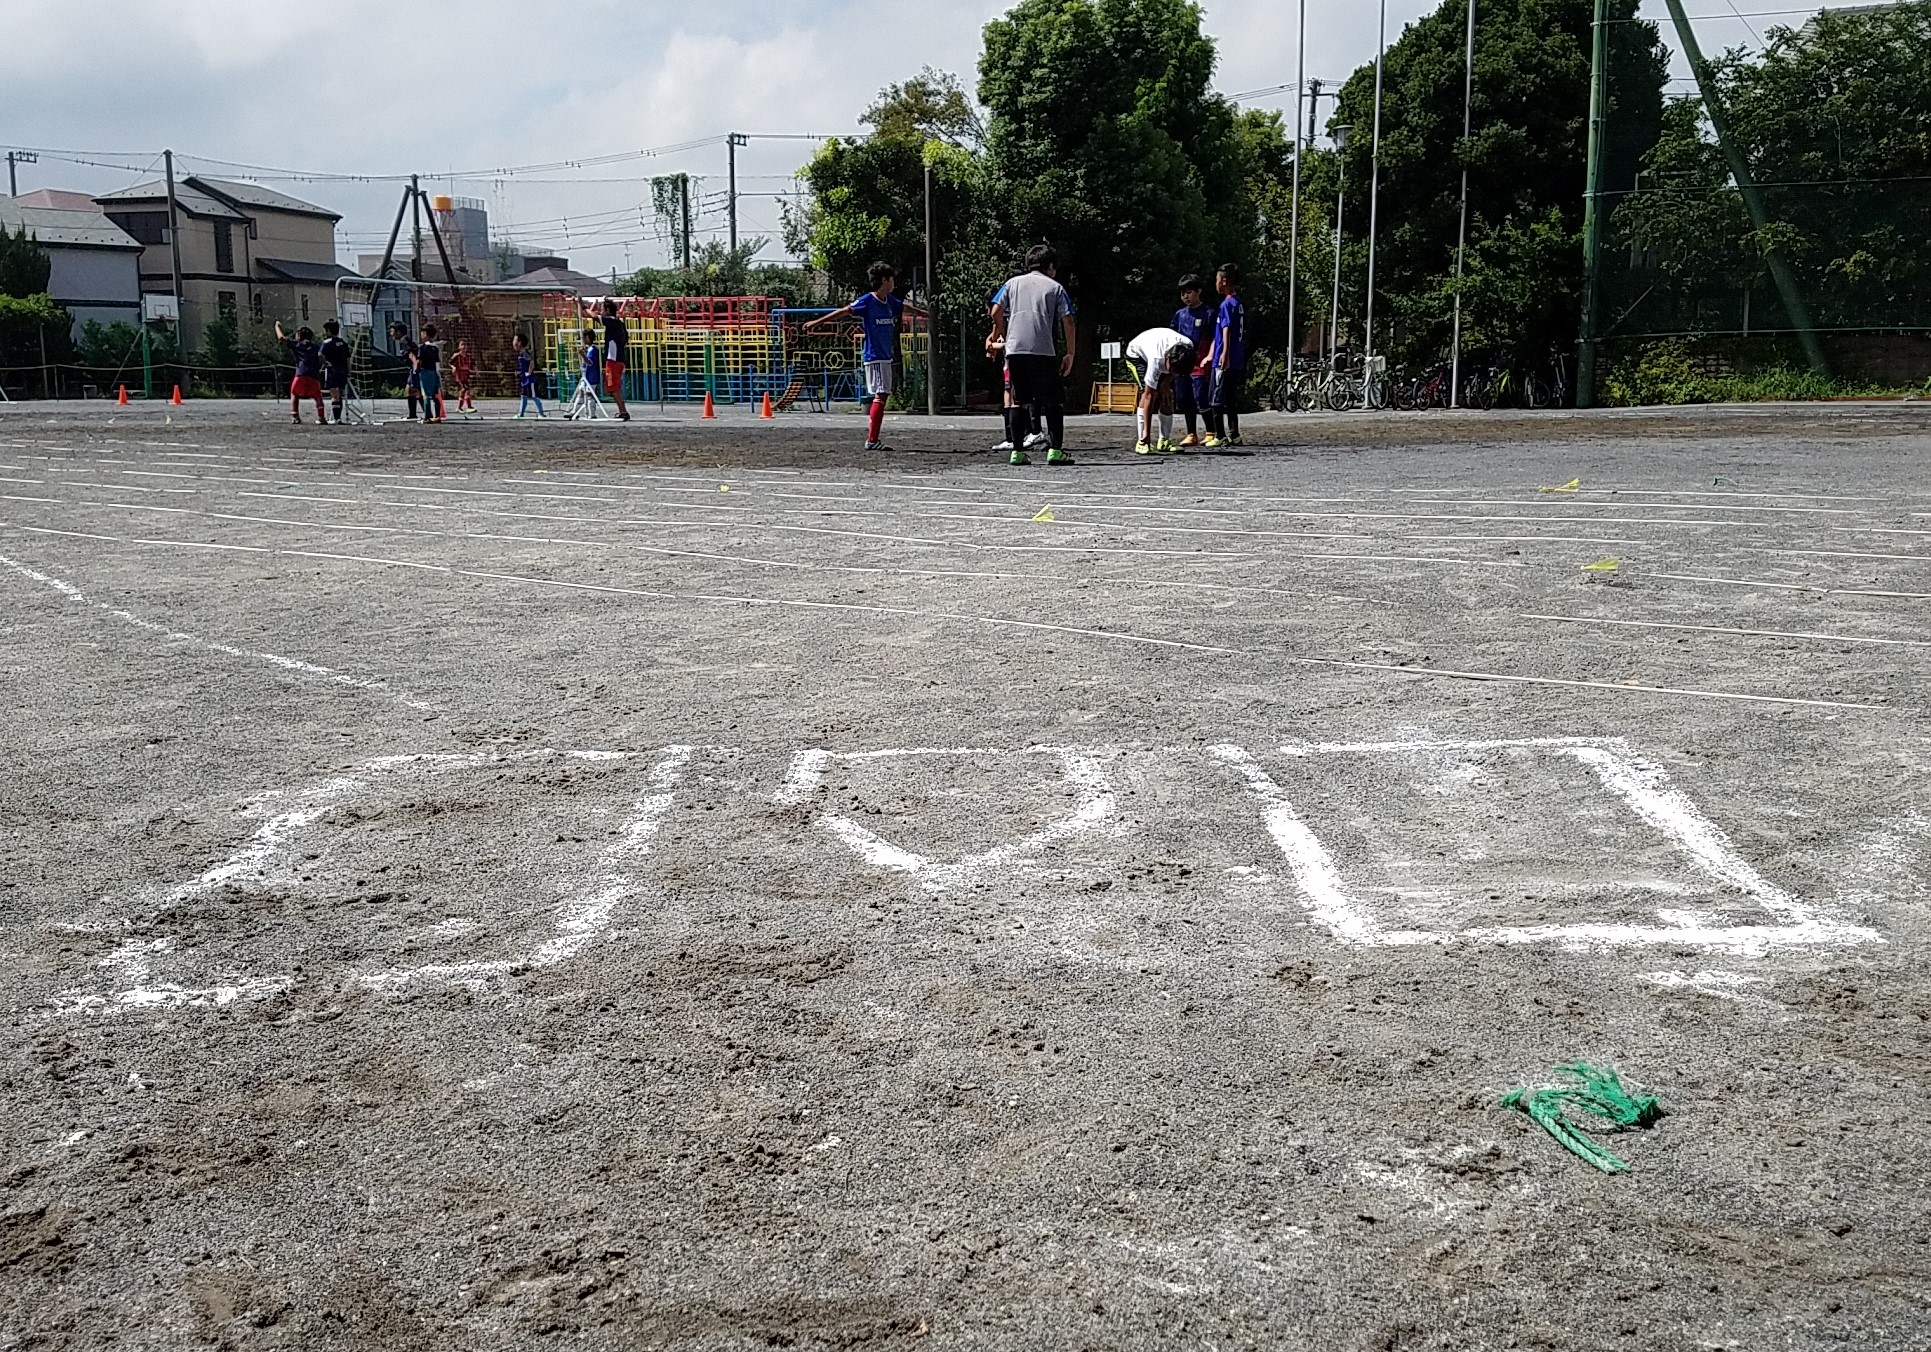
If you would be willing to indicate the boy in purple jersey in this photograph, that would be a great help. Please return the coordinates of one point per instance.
(1195, 318)
(335, 366)
(525, 378)
(879, 311)
(1229, 360)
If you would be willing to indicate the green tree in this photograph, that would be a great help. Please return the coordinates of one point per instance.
(1526, 160)
(1835, 121)
(24, 265)
(1106, 139)
(719, 270)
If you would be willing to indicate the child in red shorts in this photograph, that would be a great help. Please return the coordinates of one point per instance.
(307, 355)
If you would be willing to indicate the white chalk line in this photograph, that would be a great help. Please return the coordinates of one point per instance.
(1792, 586)
(74, 593)
(1095, 806)
(1644, 788)
(580, 919)
(1624, 687)
(1717, 629)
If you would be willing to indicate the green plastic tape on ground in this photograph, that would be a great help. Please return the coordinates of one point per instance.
(1598, 1091)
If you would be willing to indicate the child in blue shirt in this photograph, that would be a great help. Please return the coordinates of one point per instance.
(1195, 318)
(526, 378)
(1229, 360)
(879, 311)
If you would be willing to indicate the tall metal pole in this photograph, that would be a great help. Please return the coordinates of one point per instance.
(1374, 188)
(684, 192)
(13, 184)
(734, 140)
(415, 229)
(1340, 205)
(174, 246)
(1294, 215)
(1592, 214)
(1461, 240)
(931, 306)
(1739, 166)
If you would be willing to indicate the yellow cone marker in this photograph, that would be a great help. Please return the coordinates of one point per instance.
(724, 488)
(1045, 514)
(1573, 486)
(1602, 566)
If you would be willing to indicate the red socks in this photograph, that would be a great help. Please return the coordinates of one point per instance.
(878, 419)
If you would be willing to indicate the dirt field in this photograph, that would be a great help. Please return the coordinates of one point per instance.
(685, 886)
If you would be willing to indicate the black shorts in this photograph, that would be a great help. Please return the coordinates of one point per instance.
(1035, 380)
(1228, 384)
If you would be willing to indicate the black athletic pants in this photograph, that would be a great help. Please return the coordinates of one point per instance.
(1035, 386)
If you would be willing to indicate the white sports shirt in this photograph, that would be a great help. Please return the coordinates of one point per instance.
(1153, 353)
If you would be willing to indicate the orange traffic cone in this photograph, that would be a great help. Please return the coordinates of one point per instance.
(176, 400)
(710, 406)
(122, 400)
(766, 412)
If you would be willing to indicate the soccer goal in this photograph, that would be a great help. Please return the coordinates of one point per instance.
(484, 317)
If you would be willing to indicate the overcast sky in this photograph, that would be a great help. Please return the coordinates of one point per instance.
(439, 88)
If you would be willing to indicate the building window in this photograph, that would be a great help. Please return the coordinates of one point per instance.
(225, 303)
(147, 227)
(254, 304)
(305, 309)
(224, 247)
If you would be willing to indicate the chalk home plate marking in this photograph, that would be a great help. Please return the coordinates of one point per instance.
(1095, 806)
(582, 916)
(1644, 788)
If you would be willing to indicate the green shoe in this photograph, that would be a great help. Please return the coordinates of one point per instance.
(1166, 447)
(1018, 457)
(1234, 441)
(1143, 448)
(1058, 457)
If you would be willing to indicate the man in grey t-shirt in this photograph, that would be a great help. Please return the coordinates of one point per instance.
(1029, 315)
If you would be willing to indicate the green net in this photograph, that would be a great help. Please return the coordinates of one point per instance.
(1598, 1091)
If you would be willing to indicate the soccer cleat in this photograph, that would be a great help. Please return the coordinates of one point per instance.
(1191, 440)
(1035, 442)
(1055, 456)
(1018, 457)
(1166, 447)
(876, 446)
(1143, 448)
(1212, 441)
(1233, 441)
(1002, 447)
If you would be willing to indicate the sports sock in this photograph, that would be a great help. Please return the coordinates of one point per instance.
(1056, 428)
(1016, 426)
(1233, 424)
(338, 410)
(1166, 427)
(321, 413)
(1140, 423)
(878, 419)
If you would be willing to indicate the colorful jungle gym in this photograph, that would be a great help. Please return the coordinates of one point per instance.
(737, 349)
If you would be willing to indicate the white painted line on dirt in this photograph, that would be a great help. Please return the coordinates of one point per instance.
(1715, 629)
(74, 593)
(1642, 787)
(1722, 985)
(1095, 805)
(1792, 586)
(1567, 501)
(1624, 688)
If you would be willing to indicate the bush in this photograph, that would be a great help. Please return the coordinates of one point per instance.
(1666, 373)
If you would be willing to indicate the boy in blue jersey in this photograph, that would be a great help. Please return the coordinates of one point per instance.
(335, 367)
(526, 378)
(592, 360)
(1229, 360)
(1195, 318)
(879, 311)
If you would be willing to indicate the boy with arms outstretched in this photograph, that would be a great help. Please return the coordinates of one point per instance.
(308, 371)
(878, 311)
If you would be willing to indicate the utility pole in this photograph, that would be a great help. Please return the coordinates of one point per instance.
(174, 245)
(20, 157)
(1461, 241)
(684, 193)
(415, 228)
(733, 141)
(931, 307)
(1592, 214)
(1739, 166)
(1294, 216)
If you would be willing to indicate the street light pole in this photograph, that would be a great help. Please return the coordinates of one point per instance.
(931, 307)
(1294, 217)
(1461, 242)
(1374, 188)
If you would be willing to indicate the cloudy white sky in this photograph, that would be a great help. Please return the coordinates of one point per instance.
(442, 89)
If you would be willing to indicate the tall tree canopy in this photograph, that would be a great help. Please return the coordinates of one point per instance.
(1525, 159)
(1107, 139)
(1834, 119)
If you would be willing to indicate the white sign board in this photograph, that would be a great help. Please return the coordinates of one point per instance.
(357, 314)
(160, 305)
(1110, 351)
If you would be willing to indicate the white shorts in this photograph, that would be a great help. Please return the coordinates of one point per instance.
(878, 377)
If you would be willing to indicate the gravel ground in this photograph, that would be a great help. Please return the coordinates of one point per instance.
(697, 886)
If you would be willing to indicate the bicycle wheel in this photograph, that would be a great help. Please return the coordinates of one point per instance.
(1374, 392)
(1343, 394)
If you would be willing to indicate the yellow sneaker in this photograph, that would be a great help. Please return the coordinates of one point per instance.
(1211, 441)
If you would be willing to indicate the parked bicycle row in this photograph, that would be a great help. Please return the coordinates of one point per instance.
(1345, 381)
